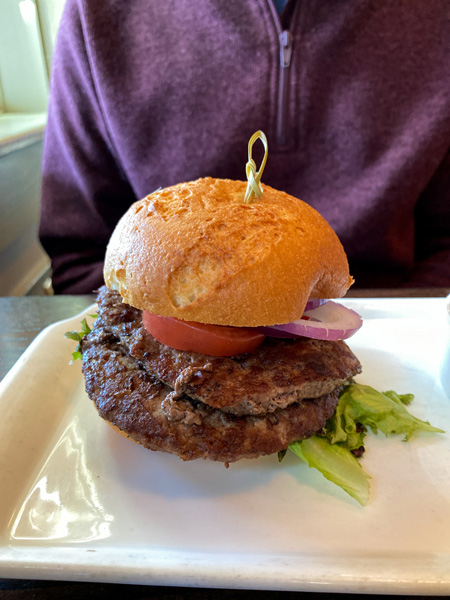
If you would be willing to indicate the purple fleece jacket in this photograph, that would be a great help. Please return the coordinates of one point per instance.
(353, 95)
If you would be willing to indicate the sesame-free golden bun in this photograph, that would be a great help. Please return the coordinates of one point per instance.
(196, 252)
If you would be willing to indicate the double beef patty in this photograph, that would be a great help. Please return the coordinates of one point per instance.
(199, 406)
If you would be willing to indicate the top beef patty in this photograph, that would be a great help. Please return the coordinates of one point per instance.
(279, 373)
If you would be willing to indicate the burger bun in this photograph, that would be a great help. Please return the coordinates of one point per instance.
(197, 252)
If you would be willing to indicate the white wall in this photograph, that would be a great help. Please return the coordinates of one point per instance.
(23, 70)
(27, 37)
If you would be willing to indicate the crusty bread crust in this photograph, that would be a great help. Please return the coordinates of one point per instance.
(195, 251)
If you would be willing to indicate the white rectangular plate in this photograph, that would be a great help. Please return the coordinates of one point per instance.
(80, 502)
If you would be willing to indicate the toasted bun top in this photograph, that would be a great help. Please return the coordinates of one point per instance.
(195, 251)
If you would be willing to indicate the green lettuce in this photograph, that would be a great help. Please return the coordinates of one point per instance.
(77, 336)
(334, 451)
(336, 463)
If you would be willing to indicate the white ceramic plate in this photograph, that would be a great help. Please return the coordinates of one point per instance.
(80, 502)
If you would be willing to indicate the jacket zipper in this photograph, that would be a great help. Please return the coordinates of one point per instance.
(285, 38)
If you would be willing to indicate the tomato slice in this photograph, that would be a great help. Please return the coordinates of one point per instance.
(215, 340)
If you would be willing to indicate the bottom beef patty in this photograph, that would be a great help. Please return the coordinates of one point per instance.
(162, 417)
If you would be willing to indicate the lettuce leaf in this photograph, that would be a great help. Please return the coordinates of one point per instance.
(77, 336)
(336, 463)
(379, 411)
(361, 408)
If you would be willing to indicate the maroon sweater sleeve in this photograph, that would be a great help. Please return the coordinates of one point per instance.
(84, 192)
(432, 249)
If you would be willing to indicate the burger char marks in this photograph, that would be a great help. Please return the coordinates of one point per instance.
(130, 398)
(278, 374)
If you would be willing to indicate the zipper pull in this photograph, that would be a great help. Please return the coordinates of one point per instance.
(285, 39)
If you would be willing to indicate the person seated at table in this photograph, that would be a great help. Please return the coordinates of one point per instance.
(354, 98)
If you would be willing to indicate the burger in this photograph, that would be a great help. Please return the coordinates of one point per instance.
(217, 335)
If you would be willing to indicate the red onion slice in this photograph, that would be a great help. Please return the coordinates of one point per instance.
(315, 303)
(330, 321)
